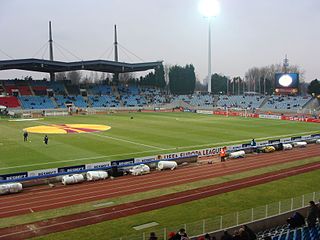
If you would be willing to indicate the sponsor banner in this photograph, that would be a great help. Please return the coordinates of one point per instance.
(263, 143)
(246, 145)
(204, 112)
(145, 159)
(235, 147)
(98, 165)
(296, 138)
(71, 169)
(314, 120)
(200, 153)
(14, 176)
(306, 137)
(269, 116)
(315, 135)
(274, 141)
(43, 172)
(290, 118)
(120, 163)
(285, 140)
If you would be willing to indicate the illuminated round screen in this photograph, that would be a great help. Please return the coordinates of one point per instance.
(285, 80)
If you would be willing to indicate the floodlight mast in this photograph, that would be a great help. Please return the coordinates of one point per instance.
(52, 75)
(209, 58)
(209, 9)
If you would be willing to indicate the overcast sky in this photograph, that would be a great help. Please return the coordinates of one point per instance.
(247, 33)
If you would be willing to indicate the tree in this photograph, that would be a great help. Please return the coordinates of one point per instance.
(166, 70)
(126, 77)
(219, 84)
(74, 77)
(262, 79)
(252, 76)
(159, 77)
(314, 88)
(155, 79)
(182, 80)
(201, 87)
(61, 76)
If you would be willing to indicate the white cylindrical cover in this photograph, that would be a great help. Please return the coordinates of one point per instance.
(10, 188)
(71, 179)
(300, 144)
(237, 154)
(140, 169)
(96, 175)
(318, 141)
(167, 165)
(287, 146)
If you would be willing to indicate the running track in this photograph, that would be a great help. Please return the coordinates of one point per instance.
(43, 198)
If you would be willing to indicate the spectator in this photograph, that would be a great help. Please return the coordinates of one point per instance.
(298, 220)
(226, 236)
(251, 234)
(153, 236)
(171, 235)
(312, 214)
(236, 235)
(207, 237)
(180, 235)
(243, 234)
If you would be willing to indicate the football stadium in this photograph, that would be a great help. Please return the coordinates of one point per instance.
(143, 150)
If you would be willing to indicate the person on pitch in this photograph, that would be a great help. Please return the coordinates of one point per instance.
(25, 136)
(46, 139)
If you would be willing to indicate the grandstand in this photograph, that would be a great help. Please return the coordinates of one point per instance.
(286, 102)
(240, 101)
(36, 102)
(285, 233)
(38, 94)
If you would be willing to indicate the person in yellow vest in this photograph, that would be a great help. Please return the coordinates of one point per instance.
(223, 153)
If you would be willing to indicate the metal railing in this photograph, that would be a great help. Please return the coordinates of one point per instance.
(229, 220)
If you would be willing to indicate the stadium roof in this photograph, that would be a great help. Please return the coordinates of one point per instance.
(48, 66)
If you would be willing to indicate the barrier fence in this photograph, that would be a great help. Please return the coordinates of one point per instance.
(234, 219)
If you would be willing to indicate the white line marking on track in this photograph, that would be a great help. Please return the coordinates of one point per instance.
(155, 203)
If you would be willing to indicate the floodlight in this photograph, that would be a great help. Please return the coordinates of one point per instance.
(209, 8)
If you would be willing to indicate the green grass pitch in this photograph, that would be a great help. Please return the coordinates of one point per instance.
(143, 135)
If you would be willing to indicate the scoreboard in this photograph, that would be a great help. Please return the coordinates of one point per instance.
(286, 83)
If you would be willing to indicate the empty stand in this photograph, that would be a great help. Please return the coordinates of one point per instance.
(9, 101)
(36, 102)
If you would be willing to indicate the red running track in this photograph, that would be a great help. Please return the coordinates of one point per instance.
(92, 217)
(44, 198)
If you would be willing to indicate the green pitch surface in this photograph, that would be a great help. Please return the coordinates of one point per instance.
(132, 135)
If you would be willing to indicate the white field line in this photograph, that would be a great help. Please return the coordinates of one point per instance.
(128, 141)
(151, 151)
(118, 139)
(155, 203)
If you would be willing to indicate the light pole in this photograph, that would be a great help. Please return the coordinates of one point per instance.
(209, 9)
